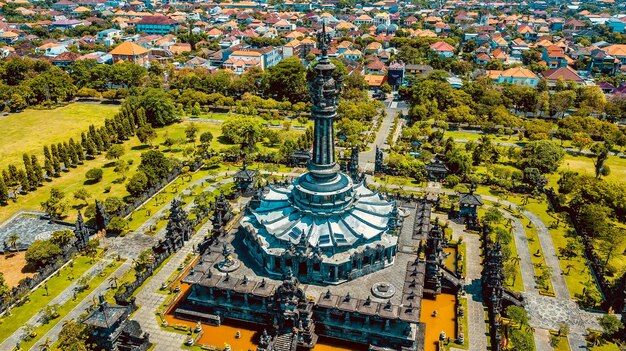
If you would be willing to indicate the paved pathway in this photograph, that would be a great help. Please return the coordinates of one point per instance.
(367, 158)
(60, 299)
(150, 300)
(476, 312)
(52, 334)
(542, 340)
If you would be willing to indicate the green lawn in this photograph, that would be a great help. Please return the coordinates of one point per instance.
(71, 304)
(584, 165)
(30, 130)
(73, 180)
(465, 135)
(607, 347)
(39, 299)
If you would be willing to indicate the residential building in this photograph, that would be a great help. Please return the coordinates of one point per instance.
(157, 25)
(566, 73)
(516, 75)
(442, 49)
(108, 36)
(130, 52)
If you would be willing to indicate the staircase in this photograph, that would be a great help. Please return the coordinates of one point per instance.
(285, 342)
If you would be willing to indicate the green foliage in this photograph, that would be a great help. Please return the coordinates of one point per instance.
(544, 155)
(115, 152)
(42, 252)
(246, 131)
(155, 166)
(117, 225)
(73, 336)
(137, 184)
(158, 106)
(610, 324)
(94, 175)
(287, 81)
(62, 238)
(56, 205)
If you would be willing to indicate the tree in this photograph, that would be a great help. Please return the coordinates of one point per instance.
(4, 192)
(544, 155)
(610, 324)
(155, 166)
(190, 132)
(493, 215)
(137, 184)
(62, 238)
(82, 194)
(146, 134)
(241, 130)
(12, 240)
(115, 152)
(522, 341)
(517, 315)
(287, 80)
(4, 287)
(117, 225)
(113, 204)
(121, 167)
(56, 205)
(206, 138)
(158, 106)
(41, 253)
(94, 175)
(73, 336)
(602, 153)
(581, 140)
(385, 88)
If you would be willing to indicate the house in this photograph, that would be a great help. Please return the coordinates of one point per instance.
(65, 59)
(395, 74)
(442, 49)
(566, 73)
(616, 25)
(377, 67)
(353, 55)
(373, 48)
(130, 52)
(363, 19)
(292, 48)
(157, 25)
(108, 36)
(606, 87)
(418, 70)
(284, 26)
(64, 6)
(9, 37)
(516, 75)
(244, 60)
(382, 18)
(374, 81)
(51, 49)
(554, 56)
(66, 24)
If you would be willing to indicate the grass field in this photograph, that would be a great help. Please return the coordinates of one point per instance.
(73, 180)
(30, 130)
(584, 165)
(39, 299)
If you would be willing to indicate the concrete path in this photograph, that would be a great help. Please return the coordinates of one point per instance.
(150, 300)
(368, 158)
(476, 312)
(52, 334)
(60, 299)
(542, 340)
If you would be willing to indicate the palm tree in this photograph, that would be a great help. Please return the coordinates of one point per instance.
(569, 267)
(13, 239)
(113, 282)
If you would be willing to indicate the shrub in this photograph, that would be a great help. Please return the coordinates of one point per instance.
(94, 175)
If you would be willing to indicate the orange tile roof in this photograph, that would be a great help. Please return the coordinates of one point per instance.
(518, 72)
(128, 48)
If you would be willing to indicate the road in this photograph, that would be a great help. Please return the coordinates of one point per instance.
(367, 158)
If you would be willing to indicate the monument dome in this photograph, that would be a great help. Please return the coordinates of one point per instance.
(325, 226)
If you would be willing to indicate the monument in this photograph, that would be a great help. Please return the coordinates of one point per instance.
(324, 226)
(304, 251)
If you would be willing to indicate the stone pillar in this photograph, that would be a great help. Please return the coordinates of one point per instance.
(335, 273)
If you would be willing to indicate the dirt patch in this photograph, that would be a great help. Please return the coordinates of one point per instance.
(12, 266)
